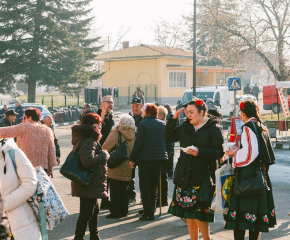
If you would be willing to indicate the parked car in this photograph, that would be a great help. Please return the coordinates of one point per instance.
(221, 96)
(271, 100)
(41, 107)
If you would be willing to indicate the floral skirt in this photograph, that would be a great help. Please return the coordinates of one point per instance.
(184, 205)
(254, 213)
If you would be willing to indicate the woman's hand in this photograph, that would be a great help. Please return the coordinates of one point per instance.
(132, 164)
(178, 113)
(192, 152)
(231, 152)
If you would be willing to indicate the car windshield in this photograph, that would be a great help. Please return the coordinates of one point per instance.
(187, 96)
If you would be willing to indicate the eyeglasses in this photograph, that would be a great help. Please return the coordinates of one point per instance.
(110, 102)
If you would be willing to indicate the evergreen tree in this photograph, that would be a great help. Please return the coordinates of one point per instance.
(46, 42)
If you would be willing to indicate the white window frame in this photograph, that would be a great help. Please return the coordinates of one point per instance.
(187, 72)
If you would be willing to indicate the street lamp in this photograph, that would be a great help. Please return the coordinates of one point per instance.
(194, 50)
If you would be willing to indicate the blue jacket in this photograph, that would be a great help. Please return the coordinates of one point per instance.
(150, 144)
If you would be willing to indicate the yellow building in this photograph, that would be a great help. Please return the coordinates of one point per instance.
(165, 73)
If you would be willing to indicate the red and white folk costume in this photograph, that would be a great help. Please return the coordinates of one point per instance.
(246, 155)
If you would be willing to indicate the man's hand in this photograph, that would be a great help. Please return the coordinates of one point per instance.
(104, 112)
(192, 152)
(178, 113)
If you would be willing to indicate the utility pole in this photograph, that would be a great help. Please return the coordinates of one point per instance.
(194, 51)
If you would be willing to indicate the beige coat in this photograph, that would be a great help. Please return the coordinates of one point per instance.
(123, 172)
(15, 193)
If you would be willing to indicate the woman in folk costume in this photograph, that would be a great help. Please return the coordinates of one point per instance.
(204, 133)
(16, 187)
(255, 212)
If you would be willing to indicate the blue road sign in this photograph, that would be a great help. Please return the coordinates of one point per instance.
(234, 84)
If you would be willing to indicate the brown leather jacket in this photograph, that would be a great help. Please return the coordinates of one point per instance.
(91, 155)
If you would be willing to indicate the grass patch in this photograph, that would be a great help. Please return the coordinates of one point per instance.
(273, 117)
(58, 100)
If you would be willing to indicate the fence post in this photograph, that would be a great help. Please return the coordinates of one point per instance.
(65, 100)
(1, 101)
(42, 100)
(51, 101)
(155, 93)
(129, 94)
(146, 91)
(78, 103)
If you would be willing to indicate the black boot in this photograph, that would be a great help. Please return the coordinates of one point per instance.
(95, 236)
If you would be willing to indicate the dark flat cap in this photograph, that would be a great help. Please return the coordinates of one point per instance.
(10, 112)
(136, 100)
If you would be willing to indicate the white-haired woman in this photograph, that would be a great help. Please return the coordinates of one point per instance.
(120, 176)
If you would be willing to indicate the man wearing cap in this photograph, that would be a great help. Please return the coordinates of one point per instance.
(20, 111)
(136, 113)
(9, 119)
(136, 106)
(3, 110)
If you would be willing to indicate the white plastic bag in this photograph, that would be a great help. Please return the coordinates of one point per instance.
(224, 182)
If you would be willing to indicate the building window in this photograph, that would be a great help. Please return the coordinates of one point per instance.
(178, 79)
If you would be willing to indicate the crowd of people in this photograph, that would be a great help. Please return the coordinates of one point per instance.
(149, 133)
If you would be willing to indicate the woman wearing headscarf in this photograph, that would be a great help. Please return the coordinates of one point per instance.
(205, 135)
(255, 213)
(120, 176)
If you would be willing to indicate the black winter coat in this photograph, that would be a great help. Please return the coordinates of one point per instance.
(190, 169)
(137, 118)
(91, 156)
(107, 125)
(150, 143)
(4, 122)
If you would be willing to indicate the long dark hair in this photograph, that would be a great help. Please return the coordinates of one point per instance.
(251, 109)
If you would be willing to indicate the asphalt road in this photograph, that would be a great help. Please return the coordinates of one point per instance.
(166, 226)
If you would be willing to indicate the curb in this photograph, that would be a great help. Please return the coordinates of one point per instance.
(279, 145)
(65, 124)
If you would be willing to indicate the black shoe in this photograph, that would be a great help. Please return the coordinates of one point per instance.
(147, 218)
(95, 237)
(113, 216)
(105, 204)
(132, 200)
(141, 211)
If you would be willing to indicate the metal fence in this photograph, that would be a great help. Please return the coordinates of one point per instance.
(126, 93)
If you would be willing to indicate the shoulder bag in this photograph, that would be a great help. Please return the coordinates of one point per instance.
(74, 170)
(119, 155)
(206, 190)
(251, 186)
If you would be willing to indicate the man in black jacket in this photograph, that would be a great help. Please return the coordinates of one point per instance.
(86, 110)
(106, 113)
(20, 111)
(136, 106)
(3, 110)
(9, 119)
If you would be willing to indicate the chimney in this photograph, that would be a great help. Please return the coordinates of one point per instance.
(125, 44)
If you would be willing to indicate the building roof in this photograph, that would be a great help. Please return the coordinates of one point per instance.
(144, 51)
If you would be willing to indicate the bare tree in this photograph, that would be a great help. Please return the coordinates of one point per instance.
(171, 34)
(258, 26)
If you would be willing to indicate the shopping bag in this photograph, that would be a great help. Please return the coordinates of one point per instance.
(55, 210)
(224, 182)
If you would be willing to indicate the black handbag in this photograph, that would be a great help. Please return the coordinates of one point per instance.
(251, 186)
(206, 190)
(119, 155)
(75, 171)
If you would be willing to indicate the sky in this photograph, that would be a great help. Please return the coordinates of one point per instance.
(136, 15)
